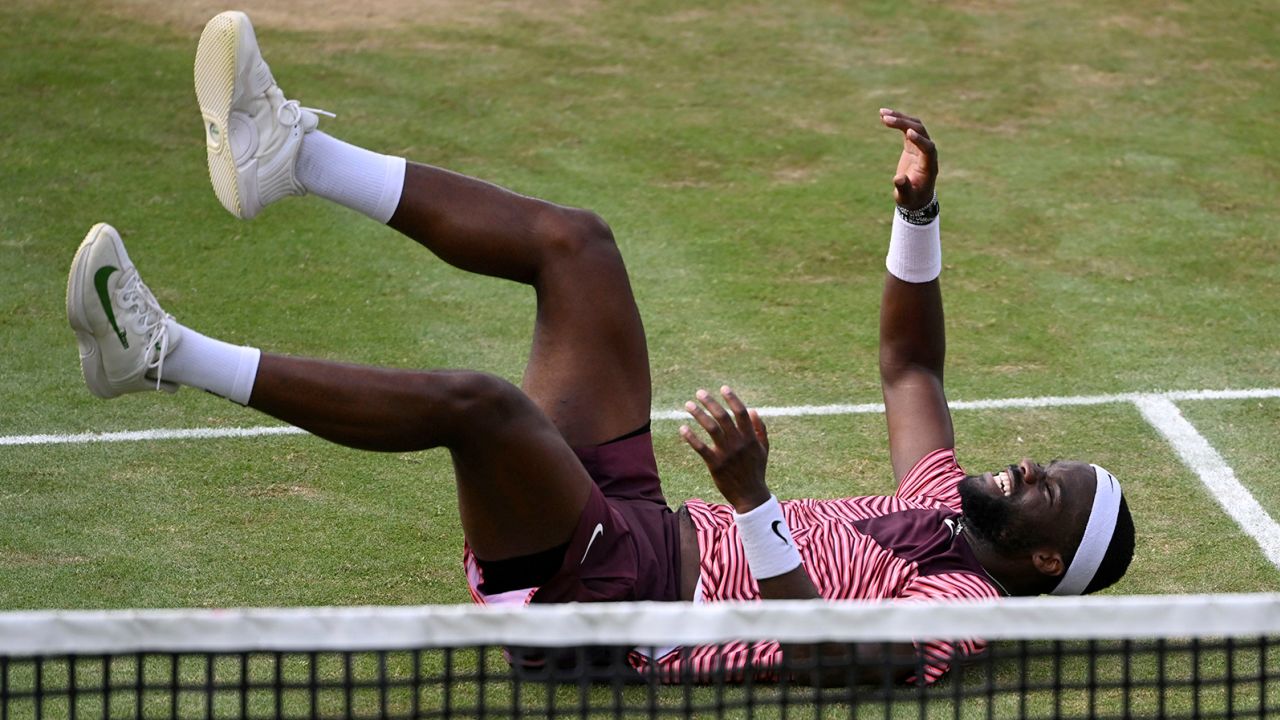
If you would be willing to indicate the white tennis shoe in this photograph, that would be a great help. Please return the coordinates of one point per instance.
(252, 132)
(123, 334)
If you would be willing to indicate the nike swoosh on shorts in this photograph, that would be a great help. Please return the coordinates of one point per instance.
(594, 534)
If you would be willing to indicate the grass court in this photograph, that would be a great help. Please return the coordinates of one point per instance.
(1108, 182)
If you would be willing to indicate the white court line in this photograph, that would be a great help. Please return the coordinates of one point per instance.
(785, 411)
(1214, 472)
(153, 434)
(1176, 395)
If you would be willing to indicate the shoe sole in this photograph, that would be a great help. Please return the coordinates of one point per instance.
(215, 79)
(95, 376)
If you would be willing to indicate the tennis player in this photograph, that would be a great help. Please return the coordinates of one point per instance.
(557, 486)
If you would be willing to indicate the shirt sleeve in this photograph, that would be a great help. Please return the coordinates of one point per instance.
(934, 479)
(937, 656)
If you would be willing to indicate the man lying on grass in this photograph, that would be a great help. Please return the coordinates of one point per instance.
(557, 486)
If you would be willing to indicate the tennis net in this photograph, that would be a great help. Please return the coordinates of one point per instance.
(1138, 656)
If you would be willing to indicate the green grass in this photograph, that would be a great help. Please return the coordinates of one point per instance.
(1108, 181)
(1245, 433)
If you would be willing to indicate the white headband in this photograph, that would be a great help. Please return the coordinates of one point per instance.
(1097, 536)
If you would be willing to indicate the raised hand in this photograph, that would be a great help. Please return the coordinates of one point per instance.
(739, 448)
(918, 166)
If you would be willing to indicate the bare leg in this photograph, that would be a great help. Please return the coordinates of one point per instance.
(520, 487)
(589, 366)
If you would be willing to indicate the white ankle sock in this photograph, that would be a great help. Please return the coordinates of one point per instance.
(364, 181)
(221, 368)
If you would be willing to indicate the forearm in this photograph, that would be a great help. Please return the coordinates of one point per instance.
(912, 334)
(825, 664)
(912, 331)
(837, 664)
(771, 552)
(792, 585)
(846, 664)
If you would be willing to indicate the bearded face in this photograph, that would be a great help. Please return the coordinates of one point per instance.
(996, 518)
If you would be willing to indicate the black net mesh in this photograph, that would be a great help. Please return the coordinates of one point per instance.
(1169, 678)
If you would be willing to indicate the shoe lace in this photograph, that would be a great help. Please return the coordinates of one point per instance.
(292, 110)
(154, 321)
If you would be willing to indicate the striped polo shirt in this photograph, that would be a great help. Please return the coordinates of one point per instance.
(859, 548)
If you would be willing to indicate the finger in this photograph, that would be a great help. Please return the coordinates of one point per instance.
(903, 191)
(739, 409)
(922, 142)
(717, 411)
(891, 113)
(711, 426)
(895, 121)
(696, 443)
(761, 431)
(904, 123)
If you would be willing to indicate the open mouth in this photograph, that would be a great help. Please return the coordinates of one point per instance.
(1006, 479)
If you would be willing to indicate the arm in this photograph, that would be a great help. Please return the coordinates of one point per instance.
(737, 458)
(912, 338)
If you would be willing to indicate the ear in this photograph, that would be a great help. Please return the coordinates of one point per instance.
(1048, 562)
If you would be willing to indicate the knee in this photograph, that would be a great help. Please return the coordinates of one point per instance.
(572, 234)
(481, 404)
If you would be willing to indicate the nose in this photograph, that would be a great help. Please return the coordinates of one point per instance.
(1032, 473)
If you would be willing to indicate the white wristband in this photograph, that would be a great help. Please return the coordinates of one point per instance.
(915, 251)
(766, 539)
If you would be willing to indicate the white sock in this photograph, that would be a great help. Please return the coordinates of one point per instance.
(362, 180)
(221, 368)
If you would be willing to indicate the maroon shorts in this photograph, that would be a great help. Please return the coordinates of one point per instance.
(627, 542)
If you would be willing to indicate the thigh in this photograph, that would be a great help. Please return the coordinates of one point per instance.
(625, 545)
(589, 366)
(521, 488)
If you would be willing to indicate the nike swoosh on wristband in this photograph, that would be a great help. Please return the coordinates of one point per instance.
(104, 295)
(594, 534)
(774, 526)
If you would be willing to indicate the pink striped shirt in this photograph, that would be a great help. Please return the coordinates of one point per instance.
(857, 548)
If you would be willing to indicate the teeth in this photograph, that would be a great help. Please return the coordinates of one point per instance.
(1002, 480)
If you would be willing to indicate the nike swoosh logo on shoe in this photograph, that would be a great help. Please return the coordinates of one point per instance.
(774, 526)
(594, 534)
(104, 295)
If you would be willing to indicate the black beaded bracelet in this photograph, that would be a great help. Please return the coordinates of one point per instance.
(924, 215)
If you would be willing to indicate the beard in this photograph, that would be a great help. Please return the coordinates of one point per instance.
(995, 519)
